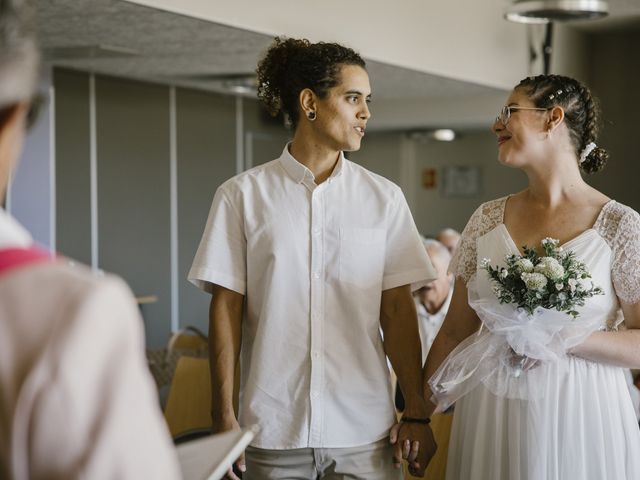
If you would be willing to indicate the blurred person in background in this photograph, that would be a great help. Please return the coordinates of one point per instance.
(432, 300)
(449, 238)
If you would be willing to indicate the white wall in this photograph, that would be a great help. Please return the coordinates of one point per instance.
(470, 112)
(461, 39)
(403, 160)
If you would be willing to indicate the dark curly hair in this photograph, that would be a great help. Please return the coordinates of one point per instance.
(291, 65)
(581, 112)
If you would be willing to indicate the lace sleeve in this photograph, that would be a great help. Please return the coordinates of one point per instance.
(625, 271)
(464, 262)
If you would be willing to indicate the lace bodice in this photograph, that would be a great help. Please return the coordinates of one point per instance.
(617, 224)
(486, 217)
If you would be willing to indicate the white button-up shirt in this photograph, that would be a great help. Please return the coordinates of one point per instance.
(312, 261)
(429, 324)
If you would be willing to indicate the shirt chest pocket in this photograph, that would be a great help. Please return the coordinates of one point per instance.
(362, 255)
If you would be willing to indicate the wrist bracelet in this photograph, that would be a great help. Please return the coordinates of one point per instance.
(424, 421)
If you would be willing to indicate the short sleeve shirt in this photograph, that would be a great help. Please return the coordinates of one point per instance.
(312, 261)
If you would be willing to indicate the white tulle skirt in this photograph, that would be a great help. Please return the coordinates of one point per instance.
(581, 427)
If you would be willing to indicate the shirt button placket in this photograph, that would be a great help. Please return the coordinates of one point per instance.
(317, 285)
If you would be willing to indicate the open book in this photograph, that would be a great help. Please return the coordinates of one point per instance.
(209, 458)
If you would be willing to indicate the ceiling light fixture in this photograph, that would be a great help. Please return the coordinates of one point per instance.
(443, 135)
(545, 11)
(439, 134)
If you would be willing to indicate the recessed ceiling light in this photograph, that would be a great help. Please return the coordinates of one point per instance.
(439, 134)
(443, 135)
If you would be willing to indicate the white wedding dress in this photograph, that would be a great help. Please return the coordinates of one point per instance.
(566, 418)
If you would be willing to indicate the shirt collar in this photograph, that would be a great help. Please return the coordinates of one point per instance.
(447, 302)
(12, 234)
(298, 172)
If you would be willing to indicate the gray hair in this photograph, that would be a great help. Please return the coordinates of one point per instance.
(19, 56)
(438, 248)
(448, 232)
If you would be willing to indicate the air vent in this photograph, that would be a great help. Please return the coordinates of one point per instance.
(236, 83)
(85, 52)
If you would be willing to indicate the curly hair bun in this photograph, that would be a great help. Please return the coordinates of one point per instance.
(291, 65)
(595, 161)
(274, 68)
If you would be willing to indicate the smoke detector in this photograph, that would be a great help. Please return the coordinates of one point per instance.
(545, 11)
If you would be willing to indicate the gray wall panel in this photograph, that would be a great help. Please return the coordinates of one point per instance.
(264, 137)
(206, 149)
(73, 209)
(133, 193)
(614, 81)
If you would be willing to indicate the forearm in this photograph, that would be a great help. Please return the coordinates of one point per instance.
(442, 346)
(461, 322)
(225, 318)
(616, 348)
(402, 345)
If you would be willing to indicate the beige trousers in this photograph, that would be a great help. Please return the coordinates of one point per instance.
(367, 462)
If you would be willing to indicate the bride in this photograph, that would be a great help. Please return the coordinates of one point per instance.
(543, 399)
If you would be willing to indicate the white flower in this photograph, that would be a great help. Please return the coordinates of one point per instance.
(559, 286)
(504, 273)
(485, 262)
(572, 284)
(524, 265)
(550, 241)
(584, 284)
(534, 281)
(550, 268)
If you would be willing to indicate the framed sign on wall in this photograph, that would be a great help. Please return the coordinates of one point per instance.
(461, 181)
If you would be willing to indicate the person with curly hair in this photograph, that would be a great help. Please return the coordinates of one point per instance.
(543, 396)
(308, 258)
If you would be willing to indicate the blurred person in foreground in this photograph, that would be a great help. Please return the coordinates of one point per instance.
(76, 398)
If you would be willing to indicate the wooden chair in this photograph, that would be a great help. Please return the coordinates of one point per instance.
(189, 399)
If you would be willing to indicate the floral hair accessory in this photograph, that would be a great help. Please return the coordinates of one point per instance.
(586, 151)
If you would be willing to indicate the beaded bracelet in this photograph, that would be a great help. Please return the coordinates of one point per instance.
(424, 421)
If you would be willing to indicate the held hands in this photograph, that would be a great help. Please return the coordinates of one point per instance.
(414, 443)
(521, 363)
(226, 425)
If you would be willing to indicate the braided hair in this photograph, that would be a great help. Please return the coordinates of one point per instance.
(291, 65)
(581, 113)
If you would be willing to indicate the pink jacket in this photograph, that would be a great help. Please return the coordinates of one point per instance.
(76, 398)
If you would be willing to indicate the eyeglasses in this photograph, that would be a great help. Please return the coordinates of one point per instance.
(505, 114)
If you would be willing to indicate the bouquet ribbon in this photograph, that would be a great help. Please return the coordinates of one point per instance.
(508, 354)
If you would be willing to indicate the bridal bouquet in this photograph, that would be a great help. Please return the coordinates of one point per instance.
(556, 280)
